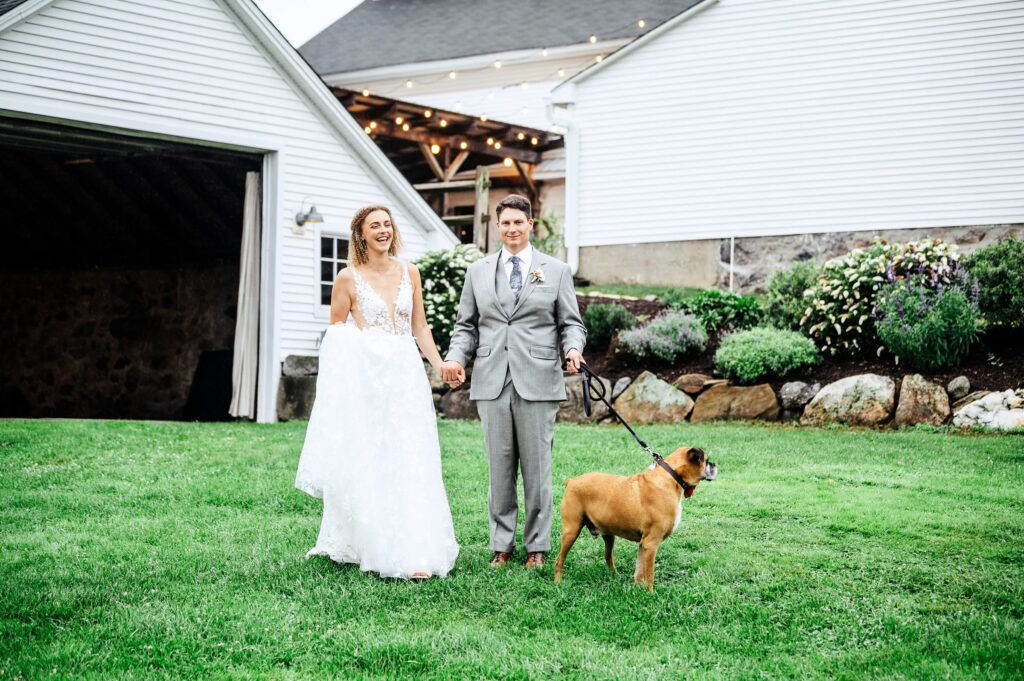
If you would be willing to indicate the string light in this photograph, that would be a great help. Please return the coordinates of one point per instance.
(451, 75)
(408, 83)
(463, 145)
(483, 118)
(497, 145)
(534, 141)
(593, 39)
(544, 52)
(524, 85)
(435, 149)
(367, 130)
(428, 113)
(405, 127)
(599, 58)
(444, 123)
(366, 93)
(399, 120)
(521, 136)
(561, 73)
(497, 64)
(507, 162)
(490, 141)
(373, 124)
(641, 23)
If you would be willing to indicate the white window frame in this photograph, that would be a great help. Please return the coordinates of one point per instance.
(323, 310)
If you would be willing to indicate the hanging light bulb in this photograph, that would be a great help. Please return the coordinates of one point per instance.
(373, 124)
(561, 73)
(490, 141)
(408, 83)
(428, 113)
(463, 145)
(544, 52)
(599, 58)
(507, 162)
(483, 118)
(497, 64)
(444, 123)
(435, 149)
(405, 127)
(593, 39)
(524, 85)
(497, 145)
(367, 130)
(451, 75)
(521, 136)
(641, 23)
(399, 120)
(534, 141)
(366, 93)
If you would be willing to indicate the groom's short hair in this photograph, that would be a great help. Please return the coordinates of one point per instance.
(518, 202)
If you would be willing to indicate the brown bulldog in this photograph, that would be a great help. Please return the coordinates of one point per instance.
(644, 508)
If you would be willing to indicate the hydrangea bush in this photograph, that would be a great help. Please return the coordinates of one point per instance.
(925, 326)
(838, 313)
(443, 273)
(669, 336)
(748, 356)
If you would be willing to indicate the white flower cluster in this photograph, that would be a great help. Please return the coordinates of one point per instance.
(443, 273)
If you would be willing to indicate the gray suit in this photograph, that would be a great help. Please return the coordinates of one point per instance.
(518, 346)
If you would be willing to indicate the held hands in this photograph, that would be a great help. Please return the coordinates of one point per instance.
(573, 358)
(453, 374)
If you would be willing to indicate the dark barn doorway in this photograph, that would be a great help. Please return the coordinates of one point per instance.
(119, 266)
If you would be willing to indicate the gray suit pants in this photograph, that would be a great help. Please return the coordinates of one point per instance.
(519, 434)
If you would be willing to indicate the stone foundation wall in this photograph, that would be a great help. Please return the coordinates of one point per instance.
(112, 343)
(705, 263)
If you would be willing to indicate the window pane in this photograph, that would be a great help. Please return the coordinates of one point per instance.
(326, 247)
(342, 249)
(326, 270)
(325, 294)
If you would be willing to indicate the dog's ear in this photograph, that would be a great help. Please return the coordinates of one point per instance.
(697, 455)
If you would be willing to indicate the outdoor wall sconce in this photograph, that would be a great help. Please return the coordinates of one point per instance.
(311, 216)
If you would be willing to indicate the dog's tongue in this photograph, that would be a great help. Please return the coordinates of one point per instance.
(688, 492)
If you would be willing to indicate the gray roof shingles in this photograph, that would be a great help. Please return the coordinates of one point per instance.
(389, 32)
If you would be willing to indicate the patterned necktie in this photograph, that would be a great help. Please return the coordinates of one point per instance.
(515, 282)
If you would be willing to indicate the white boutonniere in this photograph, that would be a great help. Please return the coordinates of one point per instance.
(537, 276)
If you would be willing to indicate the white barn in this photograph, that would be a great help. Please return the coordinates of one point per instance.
(797, 128)
(127, 132)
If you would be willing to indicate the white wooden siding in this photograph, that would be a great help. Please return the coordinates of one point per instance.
(188, 66)
(799, 116)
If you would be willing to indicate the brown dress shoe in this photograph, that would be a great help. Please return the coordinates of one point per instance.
(535, 559)
(500, 558)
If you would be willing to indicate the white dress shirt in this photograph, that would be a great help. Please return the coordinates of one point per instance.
(525, 258)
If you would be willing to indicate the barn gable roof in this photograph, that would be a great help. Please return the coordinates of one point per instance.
(309, 84)
(388, 32)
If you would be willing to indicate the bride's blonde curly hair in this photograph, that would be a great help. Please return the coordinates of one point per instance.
(359, 255)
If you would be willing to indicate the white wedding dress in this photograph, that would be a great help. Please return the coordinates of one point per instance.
(371, 450)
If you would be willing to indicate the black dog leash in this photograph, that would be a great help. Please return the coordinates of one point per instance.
(597, 391)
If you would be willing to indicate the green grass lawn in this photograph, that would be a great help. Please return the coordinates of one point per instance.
(134, 549)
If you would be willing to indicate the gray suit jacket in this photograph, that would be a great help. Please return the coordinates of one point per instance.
(530, 342)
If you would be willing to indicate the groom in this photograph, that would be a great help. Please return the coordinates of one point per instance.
(518, 318)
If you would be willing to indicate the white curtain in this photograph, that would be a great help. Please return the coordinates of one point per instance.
(247, 325)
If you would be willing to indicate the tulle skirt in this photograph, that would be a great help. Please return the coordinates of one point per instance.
(372, 454)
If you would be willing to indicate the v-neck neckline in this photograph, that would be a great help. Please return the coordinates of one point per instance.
(391, 307)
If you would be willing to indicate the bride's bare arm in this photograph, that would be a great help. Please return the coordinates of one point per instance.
(341, 296)
(420, 328)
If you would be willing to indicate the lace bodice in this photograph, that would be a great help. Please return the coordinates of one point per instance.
(376, 313)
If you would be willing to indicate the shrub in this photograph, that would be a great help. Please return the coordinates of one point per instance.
(929, 328)
(999, 270)
(669, 336)
(722, 310)
(838, 314)
(675, 297)
(604, 320)
(443, 274)
(783, 303)
(748, 356)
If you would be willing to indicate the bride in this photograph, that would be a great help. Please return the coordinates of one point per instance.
(371, 450)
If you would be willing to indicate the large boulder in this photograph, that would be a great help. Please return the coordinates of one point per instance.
(796, 394)
(733, 402)
(456, 404)
(649, 399)
(863, 400)
(620, 387)
(968, 399)
(694, 384)
(571, 410)
(1002, 410)
(921, 401)
(295, 395)
(958, 387)
(301, 365)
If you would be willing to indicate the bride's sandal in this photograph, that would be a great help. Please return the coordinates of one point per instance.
(420, 575)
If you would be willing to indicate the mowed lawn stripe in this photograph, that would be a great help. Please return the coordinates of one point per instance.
(134, 549)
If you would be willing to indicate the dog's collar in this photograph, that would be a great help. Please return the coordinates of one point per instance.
(687, 487)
